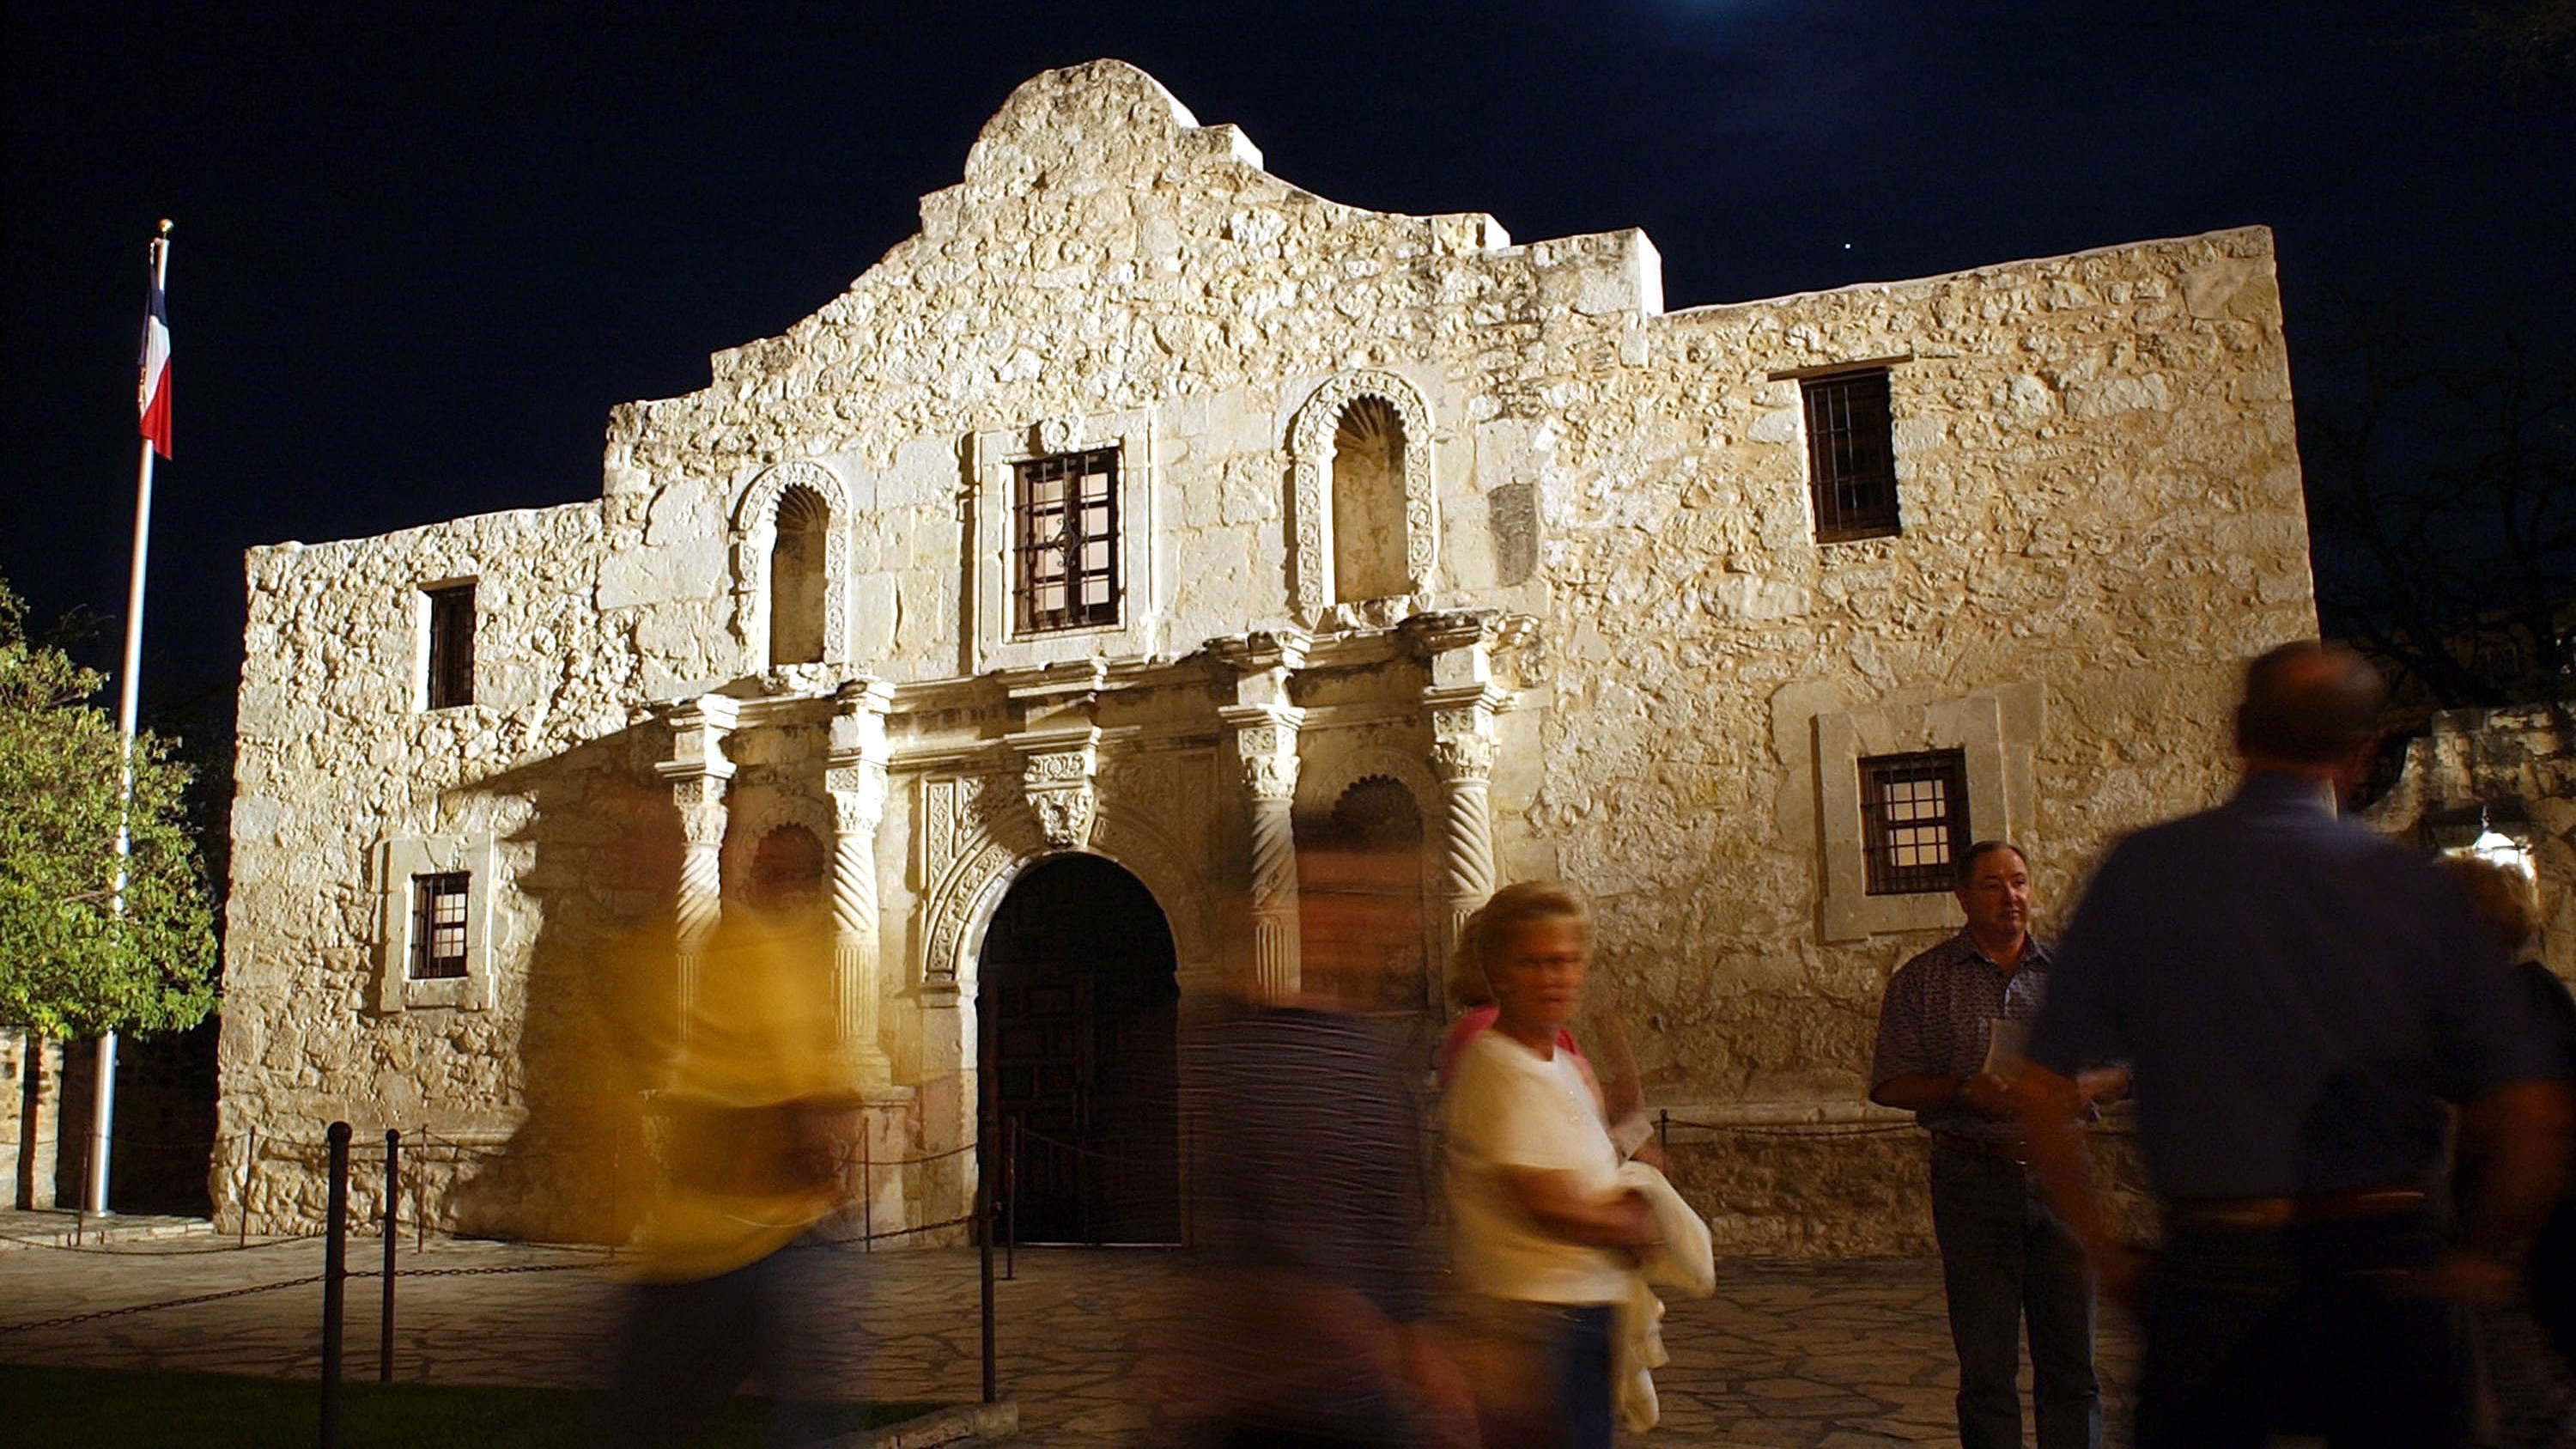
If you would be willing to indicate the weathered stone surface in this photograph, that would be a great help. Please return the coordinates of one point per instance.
(2101, 515)
(2512, 770)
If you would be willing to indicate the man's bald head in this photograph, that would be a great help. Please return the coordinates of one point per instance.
(2309, 704)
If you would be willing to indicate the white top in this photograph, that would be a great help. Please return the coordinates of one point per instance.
(1509, 1107)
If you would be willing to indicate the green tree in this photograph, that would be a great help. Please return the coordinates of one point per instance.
(72, 965)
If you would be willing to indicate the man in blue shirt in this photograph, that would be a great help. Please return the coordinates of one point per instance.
(2004, 1255)
(2296, 997)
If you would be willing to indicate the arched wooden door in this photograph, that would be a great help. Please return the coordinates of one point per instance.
(1079, 1007)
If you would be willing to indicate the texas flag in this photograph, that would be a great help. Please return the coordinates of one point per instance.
(154, 397)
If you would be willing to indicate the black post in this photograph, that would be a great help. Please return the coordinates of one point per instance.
(393, 1234)
(984, 1241)
(988, 1144)
(1664, 1131)
(335, 1282)
(250, 1159)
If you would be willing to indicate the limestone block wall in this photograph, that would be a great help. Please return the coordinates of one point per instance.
(336, 754)
(2101, 518)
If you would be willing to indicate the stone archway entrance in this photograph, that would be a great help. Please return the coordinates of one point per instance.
(1080, 1009)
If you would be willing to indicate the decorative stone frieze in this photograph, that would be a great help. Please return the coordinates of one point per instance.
(1057, 775)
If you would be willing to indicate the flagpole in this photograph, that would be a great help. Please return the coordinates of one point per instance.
(103, 1114)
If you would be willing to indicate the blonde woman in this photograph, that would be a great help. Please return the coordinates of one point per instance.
(1544, 1237)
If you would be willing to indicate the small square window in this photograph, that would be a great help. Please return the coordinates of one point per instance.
(451, 645)
(1914, 820)
(1851, 456)
(438, 906)
(1067, 542)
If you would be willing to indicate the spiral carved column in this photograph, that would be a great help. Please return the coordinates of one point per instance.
(858, 803)
(1464, 763)
(1460, 704)
(857, 780)
(697, 772)
(1265, 725)
(1271, 780)
(1265, 740)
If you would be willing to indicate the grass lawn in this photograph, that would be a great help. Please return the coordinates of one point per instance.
(74, 1408)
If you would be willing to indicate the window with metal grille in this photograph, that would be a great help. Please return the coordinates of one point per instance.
(1067, 542)
(1851, 456)
(451, 645)
(1914, 820)
(438, 925)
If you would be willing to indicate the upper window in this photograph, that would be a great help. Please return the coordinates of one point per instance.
(1851, 455)
(438, 915)
(451, 645)
(1914, 820)
(1066, 541)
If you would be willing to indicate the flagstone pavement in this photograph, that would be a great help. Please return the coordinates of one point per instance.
(1786, 1356)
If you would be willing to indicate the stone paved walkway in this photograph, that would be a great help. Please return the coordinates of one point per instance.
(1787, 1356)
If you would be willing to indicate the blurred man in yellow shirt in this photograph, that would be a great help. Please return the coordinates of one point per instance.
(749, 1102)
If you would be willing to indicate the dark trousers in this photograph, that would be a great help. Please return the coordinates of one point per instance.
(683, 1349)
(1583, 1357)
(1554, 1389)
(2006, 1258)
(2315, 1330)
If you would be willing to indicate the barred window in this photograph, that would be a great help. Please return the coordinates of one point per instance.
(1851, 456)
(438, 925)
(1914, 820)
(1067, 541)
(451, 645)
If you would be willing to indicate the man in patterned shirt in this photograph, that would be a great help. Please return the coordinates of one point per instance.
(2004, 1254)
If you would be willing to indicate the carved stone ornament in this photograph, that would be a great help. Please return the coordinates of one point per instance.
(1310, 452)
(1463, 757)
(1270, 777)
(858, 797)
(1061, 794)
(1057, 435)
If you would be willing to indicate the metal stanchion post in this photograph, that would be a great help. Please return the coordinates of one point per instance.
(393, 1234)
(420, 1199)
(867, 1191)
(250, 1159)
(984, 1238)
(335, 1275)
(1664, 1131)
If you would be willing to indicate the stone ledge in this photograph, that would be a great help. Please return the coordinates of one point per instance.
(55, 1228)
(944, 1426)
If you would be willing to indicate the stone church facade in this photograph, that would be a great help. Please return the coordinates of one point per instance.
(1143, 505)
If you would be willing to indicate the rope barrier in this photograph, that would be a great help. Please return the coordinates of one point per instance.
(1027, 1134)
(69, 1319)
(844, 1244)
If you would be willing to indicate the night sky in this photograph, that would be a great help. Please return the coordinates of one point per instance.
(421, 249)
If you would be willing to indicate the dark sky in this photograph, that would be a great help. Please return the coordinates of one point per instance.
(422, 248)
